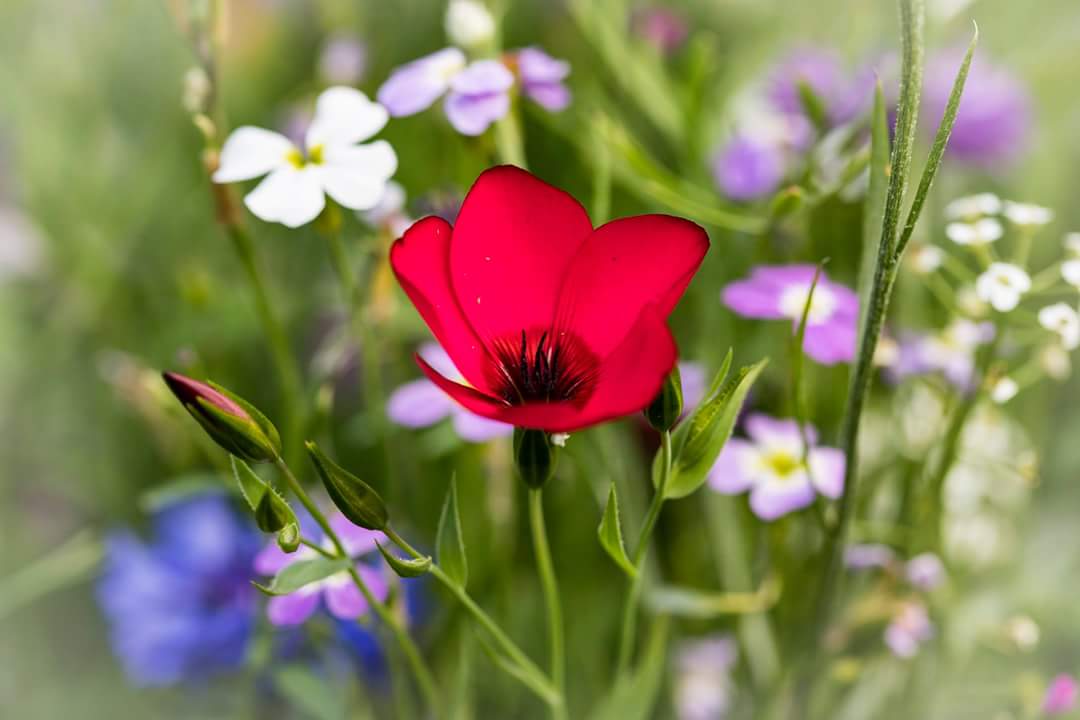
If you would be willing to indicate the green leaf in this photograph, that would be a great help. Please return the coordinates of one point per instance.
(798, 362)
(874, 206)
(701, 437)
(405, 567)
(634, 696)
(610, 532)
(721, 374)
(310, 693)
(813, 106)
(937, 150)
(295, 576)
(352, 496)
(537, 684)
(449, 542)
(252, 487)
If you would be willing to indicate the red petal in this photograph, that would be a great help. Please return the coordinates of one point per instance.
(421, 261)
(623, 267)
(513, 240)
(628, 380)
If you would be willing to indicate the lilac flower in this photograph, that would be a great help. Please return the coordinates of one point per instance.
(781, 291)
(661, 27)
(542, 78)
(390, 214)
(1061, 695)
(868, 556)
(925, 571)
(421, 403)
(703, 686)
(843, 94)
(180, 607)
(909, 629)
(748, 169)
(770, 465)
(950, 352)
(694, 384)
(477, 93)
(343, 60)
(994, 118)
(342, 598)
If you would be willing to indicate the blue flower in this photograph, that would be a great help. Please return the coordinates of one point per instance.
(180, 607)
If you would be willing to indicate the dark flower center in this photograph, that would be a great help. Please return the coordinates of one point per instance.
(543, 366)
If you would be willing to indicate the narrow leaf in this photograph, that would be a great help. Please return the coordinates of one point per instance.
(797, 364)
(874, 206)
(634, 697)
(813, 106)
(721, 374)
(702, 436)
(937, 151)
(536, 683)
(405, 567)
(252, 487)
(353, 497)
(295, 576)
(610, 532)
(450, 543)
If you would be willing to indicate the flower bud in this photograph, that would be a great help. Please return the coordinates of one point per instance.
(272, 513)
(352, 496)
(230, 421)
(534, 456)
(664, 411)
(469, 23)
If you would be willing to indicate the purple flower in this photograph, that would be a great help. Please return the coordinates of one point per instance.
(950, 352)
(343, 60)
(421, 403)
(694, 384)
(748, 169)
(868, 556)
(661, 27)
(542, 78)
(770, 466)
(180, 607)
(994, 118)
(342, 598)
(843, 94)
(909, 629)
(780, 291)
(703, 686)
(1061, 695)
(925, 571)
(477, 93)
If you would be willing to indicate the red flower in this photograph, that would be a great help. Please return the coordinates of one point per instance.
(555, 326)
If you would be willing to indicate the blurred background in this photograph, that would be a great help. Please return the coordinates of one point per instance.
(112, 267)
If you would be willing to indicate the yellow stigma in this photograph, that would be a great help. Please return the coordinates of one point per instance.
(782, 462)
(295, 158)
(315, 155)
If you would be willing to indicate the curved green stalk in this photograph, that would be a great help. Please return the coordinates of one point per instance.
(550, 587)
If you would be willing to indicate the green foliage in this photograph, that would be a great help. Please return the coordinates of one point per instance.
(450, 541)
(610, 533)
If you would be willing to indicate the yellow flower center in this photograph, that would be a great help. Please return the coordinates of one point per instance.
(782, 463)
(296, 158)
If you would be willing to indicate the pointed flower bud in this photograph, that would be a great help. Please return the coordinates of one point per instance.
(535, 456)
(664, 411)
(229, 420)
(272, 513)
(352, 496)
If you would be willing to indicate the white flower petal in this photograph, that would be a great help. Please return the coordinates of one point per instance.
(356, 176)
(250, 152)
(291, 196)
(344, 116)
(1070, 270)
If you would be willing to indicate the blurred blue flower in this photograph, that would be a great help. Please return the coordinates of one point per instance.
(748, 169)
(180, 607)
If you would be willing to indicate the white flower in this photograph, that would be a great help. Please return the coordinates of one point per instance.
(1070, 270)
(1027, 214)
(21, 244)
(292, 193)
(973, 206)
(1055, 362)
(1003, 390)
(1072, 244)
(1023, 632)
(969, 302)
(1063, 320)
(1002, 285)
(980, 232)
(925, 259)
(559, 439)
(469, 23)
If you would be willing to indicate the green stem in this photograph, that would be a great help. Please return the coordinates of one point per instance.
(537, 680)
(551, 597)
(508, 140)
(282, 356)
(424, 678)
(629, 618)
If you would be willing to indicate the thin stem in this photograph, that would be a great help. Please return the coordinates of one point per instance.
(629, 618)
(317, 548)
(416, 662)
(551, 597)
(541, 685)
